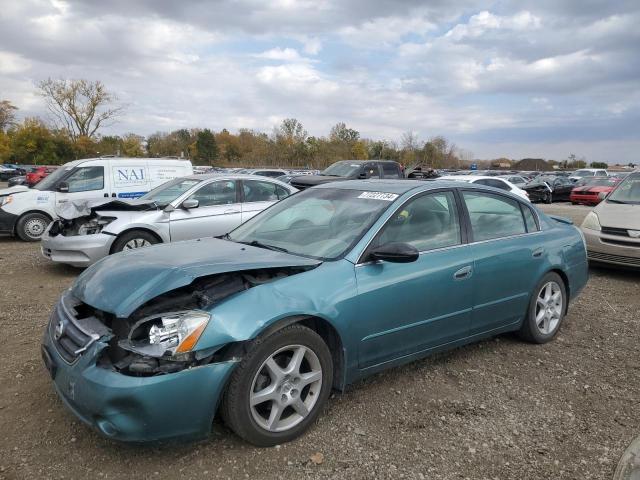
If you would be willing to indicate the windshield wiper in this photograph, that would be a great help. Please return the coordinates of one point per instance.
(618, 201)
(226, 236)
(256, 243)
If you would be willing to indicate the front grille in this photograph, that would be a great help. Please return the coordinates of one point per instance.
(623, 232)
(621, 242)
(606, 257)
(69, 338)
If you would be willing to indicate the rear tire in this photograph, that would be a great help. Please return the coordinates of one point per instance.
(546, 311)
(132, 240)
(269, 400)
(31, 226)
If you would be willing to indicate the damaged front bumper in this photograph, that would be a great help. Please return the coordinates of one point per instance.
(130, 408)
(77, 251)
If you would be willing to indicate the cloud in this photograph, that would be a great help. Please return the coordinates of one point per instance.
(499, 78)
(284, 54)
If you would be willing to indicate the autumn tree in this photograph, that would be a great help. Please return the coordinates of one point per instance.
(341, 133)
(81, 107)
(7, 114)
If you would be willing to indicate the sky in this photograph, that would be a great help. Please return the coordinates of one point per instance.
(528, 78)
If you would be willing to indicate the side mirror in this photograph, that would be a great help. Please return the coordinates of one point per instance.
(190, 203)
(363, 175)
(63, 187)
(603, 195)
(395, 252)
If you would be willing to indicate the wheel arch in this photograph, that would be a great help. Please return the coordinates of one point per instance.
(565, 279)
(29, 212)
(327, 332)
(134, 229)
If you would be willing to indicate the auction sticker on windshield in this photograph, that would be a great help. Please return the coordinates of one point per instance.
(388, 197)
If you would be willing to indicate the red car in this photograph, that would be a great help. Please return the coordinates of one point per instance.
(589, 190)
(36, 174)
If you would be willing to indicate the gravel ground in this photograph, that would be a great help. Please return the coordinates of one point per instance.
(496, 409)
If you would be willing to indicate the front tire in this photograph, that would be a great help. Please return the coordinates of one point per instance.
(133, 239)
(280, 387)
(546, 311)
(548, 198)
(31, 226)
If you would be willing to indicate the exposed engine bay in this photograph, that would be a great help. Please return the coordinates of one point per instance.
(83, 218)
(131, 348)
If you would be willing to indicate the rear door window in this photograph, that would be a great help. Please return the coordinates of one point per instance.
(258, 191)
(493, 216)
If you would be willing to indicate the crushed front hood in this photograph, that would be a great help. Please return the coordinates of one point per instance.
(71, 210)
(121, 283)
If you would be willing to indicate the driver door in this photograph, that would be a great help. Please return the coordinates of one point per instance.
(408, 308)
(218, 212)
(84, 183)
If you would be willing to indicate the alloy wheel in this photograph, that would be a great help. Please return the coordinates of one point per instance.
(136, 243)
(549, 308)
(285, 388)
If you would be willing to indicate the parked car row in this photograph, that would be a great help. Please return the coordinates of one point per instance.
(249, 295)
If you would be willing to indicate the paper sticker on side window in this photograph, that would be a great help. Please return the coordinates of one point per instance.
(387, 197)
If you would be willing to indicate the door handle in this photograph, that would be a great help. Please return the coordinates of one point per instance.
(537, 253)
(464, 272)
(229, 212)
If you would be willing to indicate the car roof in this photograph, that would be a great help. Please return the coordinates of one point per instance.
(466, 178)
(389, 185)
(229, 176)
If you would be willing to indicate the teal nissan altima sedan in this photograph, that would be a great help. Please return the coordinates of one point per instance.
(321, 289)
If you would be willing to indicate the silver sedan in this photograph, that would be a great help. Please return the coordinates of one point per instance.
(181, 209)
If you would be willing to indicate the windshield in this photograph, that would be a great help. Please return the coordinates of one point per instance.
(583, 173)
(49, 182)
(628, 191)
(318, 223)
(342, 169)
(168, 192)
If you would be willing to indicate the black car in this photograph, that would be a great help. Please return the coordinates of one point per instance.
(549, 188)
(350, 170)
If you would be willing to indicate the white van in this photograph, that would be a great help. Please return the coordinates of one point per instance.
(27, 212)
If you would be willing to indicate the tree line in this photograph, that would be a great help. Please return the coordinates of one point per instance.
(79, 110)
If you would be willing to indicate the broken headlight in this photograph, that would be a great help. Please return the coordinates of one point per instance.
(169, 334)
(94, 226)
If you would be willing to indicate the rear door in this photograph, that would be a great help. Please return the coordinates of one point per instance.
(408, 308)
(505, 250)
(257, 195)
(218, 212)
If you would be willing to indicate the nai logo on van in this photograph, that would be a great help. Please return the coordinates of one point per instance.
(129, 176)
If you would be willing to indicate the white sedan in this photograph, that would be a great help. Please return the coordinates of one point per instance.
(496, 182)
(197, 206)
